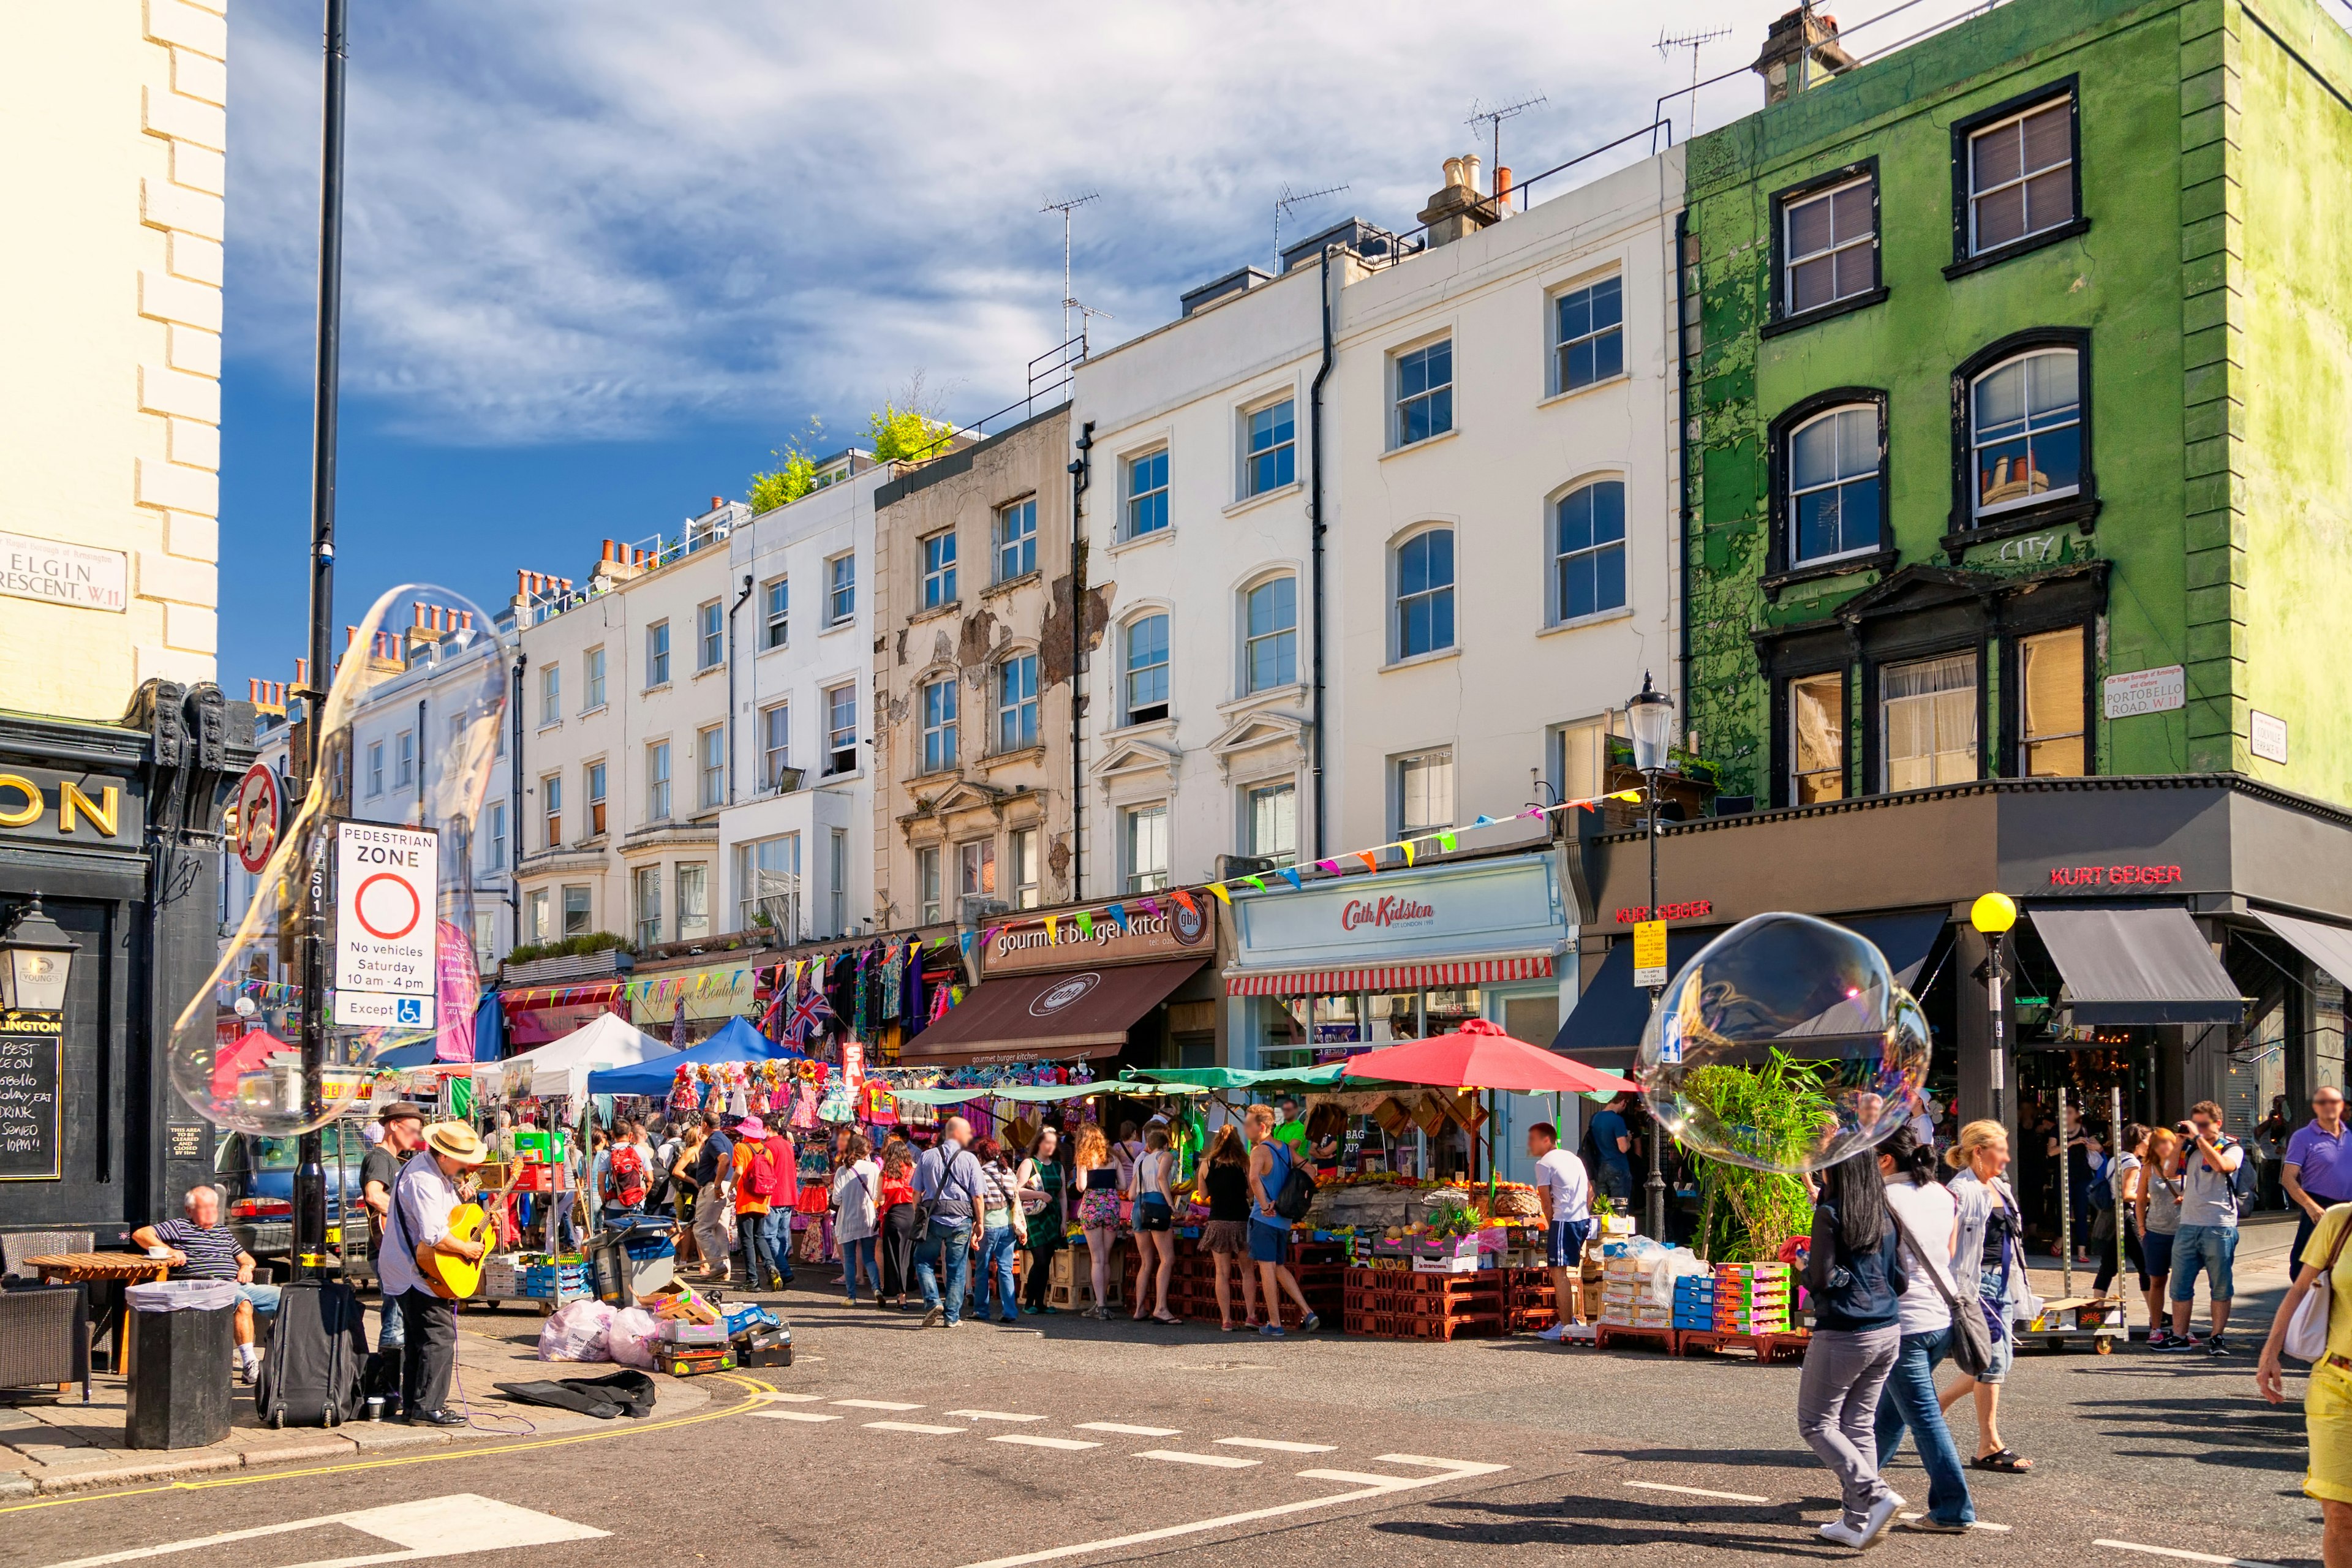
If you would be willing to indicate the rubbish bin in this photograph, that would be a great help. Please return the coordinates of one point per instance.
(181, 1331)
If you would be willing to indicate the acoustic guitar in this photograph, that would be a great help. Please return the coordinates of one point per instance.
(455, 1279)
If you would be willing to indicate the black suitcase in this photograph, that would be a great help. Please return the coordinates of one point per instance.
(318, 1357)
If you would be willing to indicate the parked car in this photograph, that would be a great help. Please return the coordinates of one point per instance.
(256, 1175)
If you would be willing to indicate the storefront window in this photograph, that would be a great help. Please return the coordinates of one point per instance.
(1396, 1015)
(1442, 1012)
(1816, 739)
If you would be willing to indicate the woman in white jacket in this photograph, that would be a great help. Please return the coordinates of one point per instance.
(856, 1219)
(1989, 1238)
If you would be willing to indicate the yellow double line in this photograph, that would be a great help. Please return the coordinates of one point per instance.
(749, 1385)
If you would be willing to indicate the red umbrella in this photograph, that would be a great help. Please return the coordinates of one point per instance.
(242, 1055)
(1479, 1055)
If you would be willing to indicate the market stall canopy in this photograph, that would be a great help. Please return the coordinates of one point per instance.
(2138, 967)
(248, 1053)
(1164, 1080)
(1479, 1055)
(1057, 1016)
(1605, 1028)
(735, 1041)
(562, 1069)
(1031, 1093)
(2330, 947)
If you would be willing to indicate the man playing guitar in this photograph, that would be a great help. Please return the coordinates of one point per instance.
(423, 1198)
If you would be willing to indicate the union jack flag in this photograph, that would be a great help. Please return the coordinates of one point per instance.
(807, 1018)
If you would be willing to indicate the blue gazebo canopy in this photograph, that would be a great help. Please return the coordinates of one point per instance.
(735, 1041)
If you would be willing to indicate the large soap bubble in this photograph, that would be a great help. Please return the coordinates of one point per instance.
(410, 728)
(1786, 1044)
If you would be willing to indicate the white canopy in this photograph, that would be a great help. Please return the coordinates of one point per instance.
(560, 1069)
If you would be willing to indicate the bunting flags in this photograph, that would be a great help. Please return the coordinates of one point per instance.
(1257, 882)
(1117, 913)
(1407, 847)
(1223, 897)
(1291, 876)
(1447, 840)
(1372, 862)
(1329, 867)
(1053, 930)
(1086, 926)
(1185, 898)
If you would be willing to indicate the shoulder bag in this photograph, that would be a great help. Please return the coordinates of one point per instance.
(2306, 1332)
(1971, 1335)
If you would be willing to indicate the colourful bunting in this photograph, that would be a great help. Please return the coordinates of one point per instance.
(1257, 882)
(1483, 821)
(1223, 897)
(1291, 876)
(964, 940)
(1117, 913)
(1447, 840)
(1372, 862)
(1053, 930)
(1329, 867)
(1086, 926)
(1407, 847)
(1185, 898)
(1150, 907)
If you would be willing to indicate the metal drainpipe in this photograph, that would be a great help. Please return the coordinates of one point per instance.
(732, 612)
(420, 762)
(1081, 475)
(1683, 457)
(1315, 535)
(514, 793)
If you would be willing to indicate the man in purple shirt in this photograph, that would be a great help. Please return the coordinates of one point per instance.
(2318, 1169)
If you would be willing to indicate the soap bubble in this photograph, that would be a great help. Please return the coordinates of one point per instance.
(1786, 1044)
(410, 729)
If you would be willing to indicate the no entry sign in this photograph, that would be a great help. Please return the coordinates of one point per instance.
(385, 881)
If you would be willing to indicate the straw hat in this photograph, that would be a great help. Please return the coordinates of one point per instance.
(458, 1141)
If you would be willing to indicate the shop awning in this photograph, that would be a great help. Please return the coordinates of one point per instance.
(1055, 1016)
(1493, 970)
(1605, 1028)
(2330, 947)
(2138, 967)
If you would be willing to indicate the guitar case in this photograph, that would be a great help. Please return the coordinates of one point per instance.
(318, 1357)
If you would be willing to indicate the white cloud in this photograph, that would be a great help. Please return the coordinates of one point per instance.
(601, 219)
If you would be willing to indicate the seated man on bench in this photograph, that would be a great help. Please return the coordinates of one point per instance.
(202, 1248)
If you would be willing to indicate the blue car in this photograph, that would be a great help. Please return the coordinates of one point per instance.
(257, 1178)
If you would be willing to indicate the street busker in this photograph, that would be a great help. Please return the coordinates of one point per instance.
(404, 1134)
(423, 1199)
(1854, 1274)
(1929, 1217)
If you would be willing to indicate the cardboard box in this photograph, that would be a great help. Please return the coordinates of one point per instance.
(678, 1300)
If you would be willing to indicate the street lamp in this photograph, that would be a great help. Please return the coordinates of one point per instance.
(36, 961)
(1992, 915)
(1651, 715)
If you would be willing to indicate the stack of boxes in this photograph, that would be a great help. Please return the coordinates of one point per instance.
(1626, 1297)
(1695, 1302)
(1752, 1297)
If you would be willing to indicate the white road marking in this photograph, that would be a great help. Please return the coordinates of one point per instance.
(790, 1398)
(1352, 1477)
(1214, 1462)
(431, 1527)
(1979, 1524)
(993, 1415)
(875, 1404)
(1269, 1443)
(1701, 1491)
(2174, 1552)
(810, 1415)
(914, 1426)
(1126, 1431)
(1454, 1470)
(1067, 1445)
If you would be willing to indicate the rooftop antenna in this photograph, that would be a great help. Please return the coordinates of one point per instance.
(1283, 202)
(1065, 209)
(1694, 42)
(1497, 115)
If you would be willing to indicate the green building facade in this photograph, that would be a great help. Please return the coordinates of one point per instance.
(2019, 369)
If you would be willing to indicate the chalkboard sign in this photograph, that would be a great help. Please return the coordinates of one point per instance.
(30, 1045)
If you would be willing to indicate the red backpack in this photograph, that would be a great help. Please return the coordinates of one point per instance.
(625, 1174)
(763, 1177)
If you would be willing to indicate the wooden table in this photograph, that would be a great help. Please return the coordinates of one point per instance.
(109, 1268)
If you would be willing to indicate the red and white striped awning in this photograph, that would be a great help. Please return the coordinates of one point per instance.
(1493, 971)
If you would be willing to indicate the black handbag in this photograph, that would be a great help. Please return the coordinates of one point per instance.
(1971, 1335)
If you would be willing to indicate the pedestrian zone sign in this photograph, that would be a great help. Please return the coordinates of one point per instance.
(386, 921)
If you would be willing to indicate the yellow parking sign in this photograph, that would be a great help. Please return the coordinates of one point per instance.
(1650, 953)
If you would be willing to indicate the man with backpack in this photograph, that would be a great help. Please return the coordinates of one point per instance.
(627, 1176)
(1280, 1192)
(752, 1163)
(2216, 1182)
(769, 1172)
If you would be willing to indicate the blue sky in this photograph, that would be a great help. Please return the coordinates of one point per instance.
(603, 256)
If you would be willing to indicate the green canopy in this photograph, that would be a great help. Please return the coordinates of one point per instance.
(1037, 1094)
(1165, 1080)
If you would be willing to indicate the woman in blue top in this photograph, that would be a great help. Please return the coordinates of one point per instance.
(1855, 1276)
(1269, 1238)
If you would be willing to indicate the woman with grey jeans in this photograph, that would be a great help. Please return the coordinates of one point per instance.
(1854, 1274)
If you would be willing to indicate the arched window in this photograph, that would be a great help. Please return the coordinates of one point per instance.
(1424, 592)
(1016, 702)
(1589, 550)
(1834, 485)
(1270, 634)
(2025, 431)
(1147, 668)
(940, 724)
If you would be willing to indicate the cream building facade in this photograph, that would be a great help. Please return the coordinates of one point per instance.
(109, 407)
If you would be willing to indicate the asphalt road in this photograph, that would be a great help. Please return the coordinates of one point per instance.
(1061, 1440)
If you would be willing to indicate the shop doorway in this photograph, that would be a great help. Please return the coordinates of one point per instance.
(2113, 1071)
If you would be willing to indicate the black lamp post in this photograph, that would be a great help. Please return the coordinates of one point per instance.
(1993, 915)
(36, 961)
(1651, 715)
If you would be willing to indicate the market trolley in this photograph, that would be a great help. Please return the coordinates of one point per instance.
(2073, 1321)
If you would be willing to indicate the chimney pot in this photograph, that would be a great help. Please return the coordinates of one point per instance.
(717, 501)
(1454, 170)
(1470, 168)
(1502, 181)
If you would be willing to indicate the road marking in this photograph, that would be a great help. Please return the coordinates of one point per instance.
(1701, 1491)
(791, 1398)
(914, 1426)
(1353, 1478)
(875, 1404)
(430, 1527)
(1454, 1470)
(1979, 1524)
(1214, 1462)
(2174, 1552)
(1126, 1431)
(1274, 1446)
(811, 1415)
(1067, 1445)
(993, 1415)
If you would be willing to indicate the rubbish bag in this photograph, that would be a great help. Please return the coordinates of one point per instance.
(579, 1331)
(181, 1295)
(635, 1337)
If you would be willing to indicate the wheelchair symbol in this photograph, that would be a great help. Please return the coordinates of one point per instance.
(409, 1010)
